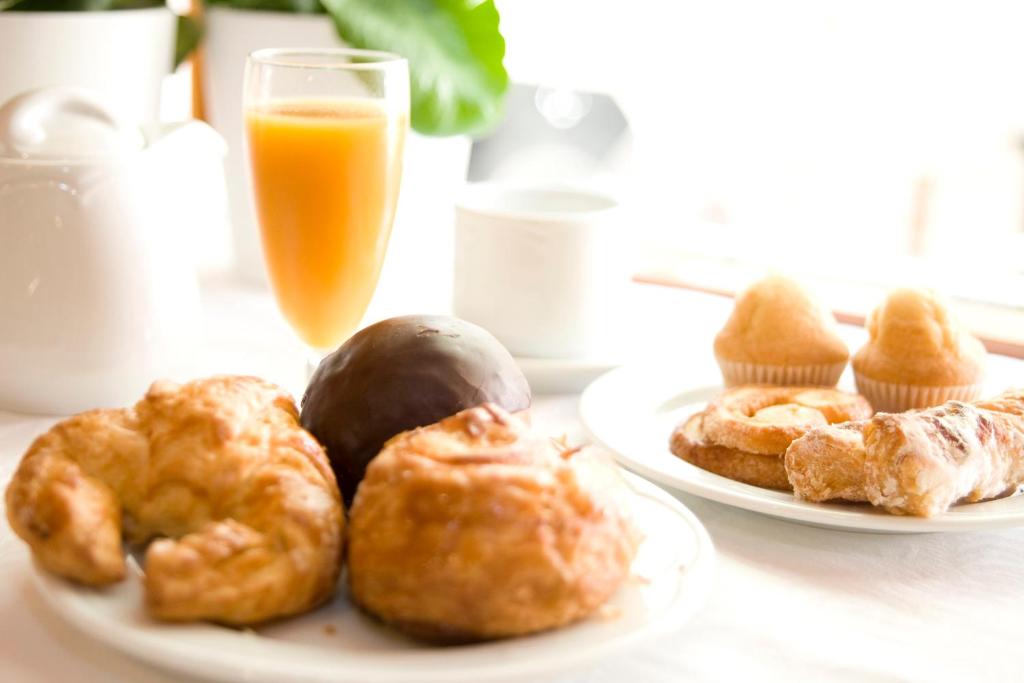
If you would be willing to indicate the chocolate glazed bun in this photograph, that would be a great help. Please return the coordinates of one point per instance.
(399, 374)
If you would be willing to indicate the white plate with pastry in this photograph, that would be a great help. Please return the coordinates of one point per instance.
(473, 528)
(671, 578)
(634, 410)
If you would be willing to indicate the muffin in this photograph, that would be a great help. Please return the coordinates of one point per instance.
(917, 355)
(476, 528)
(779, 334)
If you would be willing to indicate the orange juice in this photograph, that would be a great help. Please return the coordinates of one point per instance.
(325, 177)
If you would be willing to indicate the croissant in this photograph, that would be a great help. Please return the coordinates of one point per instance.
(242, 498)
(915, 463)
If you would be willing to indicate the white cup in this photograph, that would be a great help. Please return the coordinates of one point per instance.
(543, 269)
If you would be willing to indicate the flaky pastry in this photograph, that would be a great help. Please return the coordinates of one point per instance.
(919, 462)
(766, 420)
(242, 500)
(475, 528)
(827, 463)
(689, 443)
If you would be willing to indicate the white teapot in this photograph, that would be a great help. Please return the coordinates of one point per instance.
(98, 291)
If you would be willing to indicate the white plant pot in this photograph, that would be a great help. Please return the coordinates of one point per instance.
(123, 54)
(417, 271)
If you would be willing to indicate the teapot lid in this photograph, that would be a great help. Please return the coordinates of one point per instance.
(65, 124)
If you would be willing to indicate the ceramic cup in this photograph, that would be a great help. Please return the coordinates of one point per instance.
(543, 269)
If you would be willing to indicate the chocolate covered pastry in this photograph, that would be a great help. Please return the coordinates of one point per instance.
(399, 374)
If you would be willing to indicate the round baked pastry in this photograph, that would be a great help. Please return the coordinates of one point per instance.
(917, 355)
(765, 420)
(399, 374)
(779, 334)
(475, 528)
(689, 443)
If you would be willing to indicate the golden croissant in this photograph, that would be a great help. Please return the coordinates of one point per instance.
(241, 499)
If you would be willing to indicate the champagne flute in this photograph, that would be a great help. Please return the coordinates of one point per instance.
(325, 131)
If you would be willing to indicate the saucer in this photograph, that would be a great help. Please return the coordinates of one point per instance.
(564, 375)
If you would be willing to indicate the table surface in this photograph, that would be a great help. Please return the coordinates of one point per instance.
(790, 602)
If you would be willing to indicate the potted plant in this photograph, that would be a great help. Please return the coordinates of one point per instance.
(455, 52)
(122, 48)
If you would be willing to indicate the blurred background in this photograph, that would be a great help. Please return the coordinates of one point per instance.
(857, 145)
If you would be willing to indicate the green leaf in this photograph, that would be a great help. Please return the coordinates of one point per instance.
(454, 49)
(187, 39)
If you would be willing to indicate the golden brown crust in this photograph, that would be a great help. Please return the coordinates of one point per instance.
(689, 444)
(765, 420)
(827, 463)
(70, 517)
(914, 339)
(778, 322)
(916, 463)
(921, 463)
(474, 528)
(221, 468)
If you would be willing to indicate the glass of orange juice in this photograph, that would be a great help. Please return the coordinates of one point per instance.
(325, 131)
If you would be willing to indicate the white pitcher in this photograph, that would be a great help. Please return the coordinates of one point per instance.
(98, 292)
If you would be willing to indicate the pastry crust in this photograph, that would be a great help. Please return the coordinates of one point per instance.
(474, 528)
(916, 463)
(922, 463)
(766, 420)
(827, 463)
(777, 322)
(914, 339)
(243, 497)
(688, 443)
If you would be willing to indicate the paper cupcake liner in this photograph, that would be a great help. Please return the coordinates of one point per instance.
(825, 375)
(889, 397)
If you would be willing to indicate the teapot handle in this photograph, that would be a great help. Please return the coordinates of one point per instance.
(63, 122)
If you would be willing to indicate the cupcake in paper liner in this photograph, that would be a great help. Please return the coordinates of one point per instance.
(917, 355)
(779, 333)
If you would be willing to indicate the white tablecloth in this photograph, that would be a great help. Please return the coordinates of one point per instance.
(791, 602)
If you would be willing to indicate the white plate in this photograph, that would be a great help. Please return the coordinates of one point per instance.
(633, 410)
(671, 579)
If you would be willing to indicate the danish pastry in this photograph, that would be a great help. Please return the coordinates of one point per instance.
(827, 463)
(242, 499)
(475, 528)
(916, 463)
(689, 443)
(766, 420)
